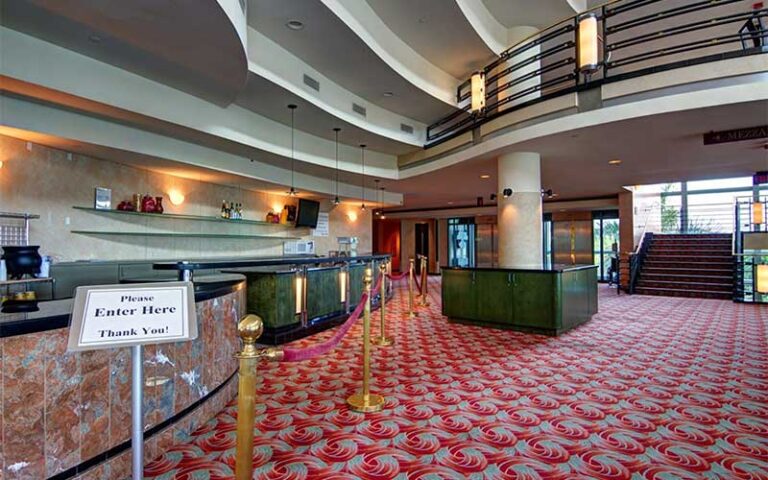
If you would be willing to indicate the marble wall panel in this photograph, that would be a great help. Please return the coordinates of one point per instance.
(60, 409)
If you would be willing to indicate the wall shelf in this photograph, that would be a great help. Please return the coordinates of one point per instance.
(185, 235)
(177, 216)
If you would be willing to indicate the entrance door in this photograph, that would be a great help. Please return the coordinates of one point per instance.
(422, 243)
(605, 230)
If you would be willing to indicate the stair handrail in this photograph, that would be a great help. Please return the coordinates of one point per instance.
(637, 257)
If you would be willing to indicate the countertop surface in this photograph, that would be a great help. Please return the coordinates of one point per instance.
(556, 268)
(53, 314)
(261, 262)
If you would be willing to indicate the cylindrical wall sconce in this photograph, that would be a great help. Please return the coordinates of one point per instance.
(588, 44)
(299, 291)
(758, 211)
(343, 284)
(761, 279)
(478, 91)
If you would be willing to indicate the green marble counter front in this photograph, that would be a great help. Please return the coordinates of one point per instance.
(545, 301)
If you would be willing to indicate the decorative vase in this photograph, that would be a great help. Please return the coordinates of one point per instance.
(147, 204)
(159, 205)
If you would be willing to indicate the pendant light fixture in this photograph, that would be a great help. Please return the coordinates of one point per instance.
(292, 192)
(381, 208)
(362, 160)
(336, 200)
(376, 181)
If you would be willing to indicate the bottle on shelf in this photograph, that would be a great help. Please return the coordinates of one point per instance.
(224, 209)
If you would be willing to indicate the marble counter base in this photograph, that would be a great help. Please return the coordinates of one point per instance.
(59, 409)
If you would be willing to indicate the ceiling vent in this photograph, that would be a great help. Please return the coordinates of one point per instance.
(311, 83)
(406, 128)
(359, 109)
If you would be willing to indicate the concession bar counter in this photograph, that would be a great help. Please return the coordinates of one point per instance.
(66, 414)
(549, 301)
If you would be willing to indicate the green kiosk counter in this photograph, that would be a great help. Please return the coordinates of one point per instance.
(549, 301)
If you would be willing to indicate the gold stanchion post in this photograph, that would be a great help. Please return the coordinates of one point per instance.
(365, 401)
(382, 340)
(411, 313)
(250, 329)
(424, 280)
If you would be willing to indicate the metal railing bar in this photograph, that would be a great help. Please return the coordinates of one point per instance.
(519, 49)
(664, 52)
(538, 57)
(532, 89)
(691, 27)
(560, 64)
(672, 12)
(626, 7)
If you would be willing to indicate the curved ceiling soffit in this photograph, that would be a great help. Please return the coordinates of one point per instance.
(69, 125)
(363, 21)
(272, 62)
(198, 49)
(37, 62)
(506, 142)
(490, 30)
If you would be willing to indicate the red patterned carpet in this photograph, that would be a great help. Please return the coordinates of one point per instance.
(651, 388)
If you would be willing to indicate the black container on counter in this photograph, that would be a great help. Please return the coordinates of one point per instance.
(22, 260)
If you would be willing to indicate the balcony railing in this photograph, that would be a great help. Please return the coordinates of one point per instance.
(636, 37)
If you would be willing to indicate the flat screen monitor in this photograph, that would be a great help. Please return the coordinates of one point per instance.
(308, 212)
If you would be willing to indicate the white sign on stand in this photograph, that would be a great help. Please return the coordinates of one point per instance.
(113, 316)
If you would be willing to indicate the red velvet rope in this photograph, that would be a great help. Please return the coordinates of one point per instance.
(418, 282)
(397, 277)
(300, 354)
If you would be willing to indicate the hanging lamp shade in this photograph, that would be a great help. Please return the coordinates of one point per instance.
(292, 192)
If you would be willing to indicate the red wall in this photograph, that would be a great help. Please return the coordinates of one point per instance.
(386, 239)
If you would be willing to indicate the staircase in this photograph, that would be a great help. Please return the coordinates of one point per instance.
(697, 265)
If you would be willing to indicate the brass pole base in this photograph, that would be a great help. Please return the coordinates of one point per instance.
(366, 404)
(411, 314)
(383, 341)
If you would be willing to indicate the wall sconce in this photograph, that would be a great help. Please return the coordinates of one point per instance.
(507, 192)
(478, 92)
(299, 291)
(588, 44)
(1, 164)
(757, 213)
(343, 285)
(352, 216)
(761, 280)
(176, 197)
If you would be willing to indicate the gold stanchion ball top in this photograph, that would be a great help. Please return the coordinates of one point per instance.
(383, 267)
(250, 328)
(368, 277)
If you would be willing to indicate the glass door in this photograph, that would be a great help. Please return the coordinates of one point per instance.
(605, 232)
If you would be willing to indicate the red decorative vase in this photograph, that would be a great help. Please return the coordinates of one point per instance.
(159, 205)
(148, 204)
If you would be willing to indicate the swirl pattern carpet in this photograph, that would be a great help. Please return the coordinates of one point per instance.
(652, 388)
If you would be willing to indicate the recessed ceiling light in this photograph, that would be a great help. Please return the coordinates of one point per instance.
(450, 203)
(295, 25)
(485, 176)
(94, 38)
(615, 161)
(389, 94)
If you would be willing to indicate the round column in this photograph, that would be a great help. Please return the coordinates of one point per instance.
(520, 215)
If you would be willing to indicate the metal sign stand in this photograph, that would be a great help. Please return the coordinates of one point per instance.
(137, 411)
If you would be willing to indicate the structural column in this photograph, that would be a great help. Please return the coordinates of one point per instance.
(520, 215)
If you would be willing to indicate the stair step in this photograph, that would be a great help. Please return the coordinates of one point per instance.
(673, 292)
(708, 270)
(726, 252)
(681, 276)
(713, 236)
(698, 286)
